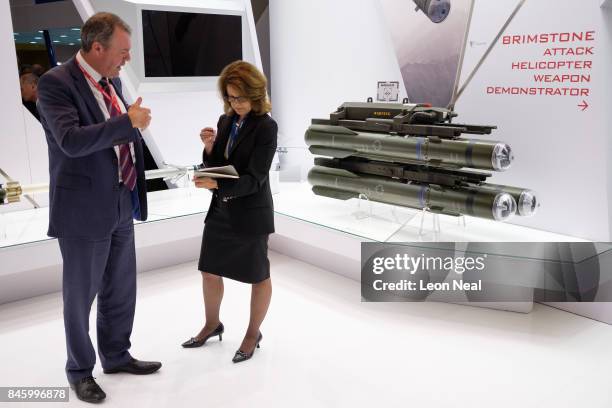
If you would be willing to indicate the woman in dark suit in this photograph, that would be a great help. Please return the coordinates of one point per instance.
(240, 217)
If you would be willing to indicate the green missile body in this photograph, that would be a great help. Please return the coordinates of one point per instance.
(343, 185)
(527, 201)
(413, 155)
(340, 142)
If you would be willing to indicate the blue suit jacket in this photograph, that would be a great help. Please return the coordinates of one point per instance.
(83, 165)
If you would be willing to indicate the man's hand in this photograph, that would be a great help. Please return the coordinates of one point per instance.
(205, 182)
(208, 136)
(139, 116)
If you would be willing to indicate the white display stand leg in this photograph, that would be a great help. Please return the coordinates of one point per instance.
(436, 228)
(461, 221)
(402, 224)
(361, 214)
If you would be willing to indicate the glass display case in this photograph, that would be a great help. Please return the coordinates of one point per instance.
(382, 222)
(365, 219)
(26, 226)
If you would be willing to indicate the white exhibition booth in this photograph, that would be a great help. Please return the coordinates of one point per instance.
(324, 53)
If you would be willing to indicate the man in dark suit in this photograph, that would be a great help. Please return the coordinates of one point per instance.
(97, 187)
(29, 93)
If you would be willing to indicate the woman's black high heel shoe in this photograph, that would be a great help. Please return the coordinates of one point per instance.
(241, 356)
(193, 342)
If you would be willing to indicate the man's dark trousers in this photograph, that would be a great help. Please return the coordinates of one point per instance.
(106, 268)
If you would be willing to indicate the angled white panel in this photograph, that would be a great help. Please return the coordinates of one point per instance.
(180, 107)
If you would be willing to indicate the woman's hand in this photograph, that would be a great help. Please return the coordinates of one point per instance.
(205, 182)
(208, 136)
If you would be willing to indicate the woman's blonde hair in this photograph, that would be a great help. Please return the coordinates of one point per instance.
(251, 83)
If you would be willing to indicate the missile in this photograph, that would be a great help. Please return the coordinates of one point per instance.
(527, 201)
(341, 142)
(170, 172)
(343, 184)
(435, 10)
(413, 155)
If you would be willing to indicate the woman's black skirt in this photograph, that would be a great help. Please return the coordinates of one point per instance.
(224, 252)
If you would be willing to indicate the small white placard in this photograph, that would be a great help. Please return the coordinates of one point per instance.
(388, 91)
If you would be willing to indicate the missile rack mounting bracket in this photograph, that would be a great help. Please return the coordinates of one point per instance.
(401, 119)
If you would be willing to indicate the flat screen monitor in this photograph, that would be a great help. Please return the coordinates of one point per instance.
(180, 44)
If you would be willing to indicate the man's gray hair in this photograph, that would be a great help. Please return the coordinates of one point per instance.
(100, 27)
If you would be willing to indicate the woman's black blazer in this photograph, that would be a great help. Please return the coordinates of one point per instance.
(249, 198)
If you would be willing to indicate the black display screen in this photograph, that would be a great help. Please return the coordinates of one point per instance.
(189, 44)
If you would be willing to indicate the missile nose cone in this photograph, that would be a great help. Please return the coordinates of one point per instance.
(528, 203)
(504, 207)
(502, 157)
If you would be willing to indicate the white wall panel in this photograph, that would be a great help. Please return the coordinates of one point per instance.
(325, 53)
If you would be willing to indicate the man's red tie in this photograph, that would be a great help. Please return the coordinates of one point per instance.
(128, 171)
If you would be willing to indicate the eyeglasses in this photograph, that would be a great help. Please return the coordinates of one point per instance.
(236, 99)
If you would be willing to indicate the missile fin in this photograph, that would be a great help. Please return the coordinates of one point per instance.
(331, 152)
(331, 129)
(333, 193)
(333, 171)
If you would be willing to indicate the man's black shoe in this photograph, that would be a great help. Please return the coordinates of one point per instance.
(88, 390)
(135, 367)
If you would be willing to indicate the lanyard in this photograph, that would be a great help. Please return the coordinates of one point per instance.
(113, 98)
(234, 132)
(235, 128)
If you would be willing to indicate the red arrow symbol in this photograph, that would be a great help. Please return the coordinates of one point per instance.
(584, 105)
